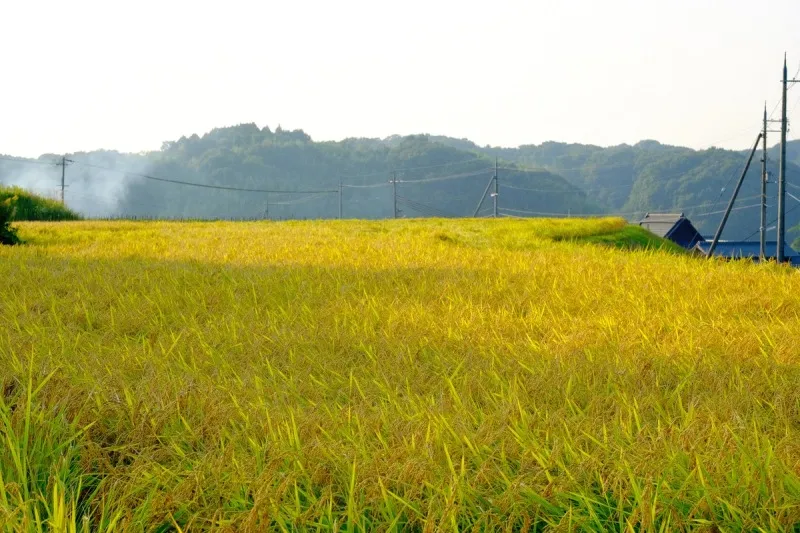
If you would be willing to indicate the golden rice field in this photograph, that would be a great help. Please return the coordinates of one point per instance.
(480, 375)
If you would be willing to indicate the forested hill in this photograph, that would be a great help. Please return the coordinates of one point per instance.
(650, 176)
(434, 179)
(437, 176)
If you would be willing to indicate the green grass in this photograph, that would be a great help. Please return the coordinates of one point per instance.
(632, 237)
(30, 206)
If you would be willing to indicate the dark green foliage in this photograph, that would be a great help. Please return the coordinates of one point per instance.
(8, 234)
(30, 206)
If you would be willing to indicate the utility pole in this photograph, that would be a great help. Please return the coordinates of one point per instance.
(63, 165)
(63, 175)
(394, 191)
(485, 192)
(782, 171)
(733, 199)
(496, 188)
(340, 199)
(763, 229)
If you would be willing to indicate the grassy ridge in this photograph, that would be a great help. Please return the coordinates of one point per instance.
(30, 206)
(399, 374)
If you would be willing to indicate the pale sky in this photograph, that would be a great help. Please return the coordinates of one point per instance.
(86, 74)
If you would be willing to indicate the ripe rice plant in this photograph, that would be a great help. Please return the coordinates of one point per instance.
(420, 375)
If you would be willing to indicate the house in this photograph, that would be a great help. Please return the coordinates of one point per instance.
(748, 250)
(673, 226)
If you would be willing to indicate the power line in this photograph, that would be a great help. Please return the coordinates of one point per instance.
(422, 180)
(573, 191)
(577, 190)
(556, 170)
(318, 192)
(772, 222)
(698, 215)
(419, 206)
(790, 87)
(451, 177)
(298, 201)
(453, 163)
(530, 212)
(366, 186)
(406, 169)
(722, 190)
(378, 173)
(787, 212)
(794, 106)
(422, 210)
(412, 203)
(206, 186)
(682, 209)
(714, 205)
(525, 211)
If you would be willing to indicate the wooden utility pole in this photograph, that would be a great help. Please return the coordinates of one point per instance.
(340, 199)
(763, 229)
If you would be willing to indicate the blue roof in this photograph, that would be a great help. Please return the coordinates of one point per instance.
(740, 249)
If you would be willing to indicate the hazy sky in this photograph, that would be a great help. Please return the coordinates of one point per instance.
(82, 75)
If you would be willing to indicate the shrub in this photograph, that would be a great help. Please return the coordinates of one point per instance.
(29, 206)
(8, 234)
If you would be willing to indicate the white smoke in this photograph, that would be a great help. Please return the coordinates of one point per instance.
(35, 177)
(95, 183)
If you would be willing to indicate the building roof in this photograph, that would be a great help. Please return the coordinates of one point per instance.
(672, 226)
(740, 249)
(662, 224)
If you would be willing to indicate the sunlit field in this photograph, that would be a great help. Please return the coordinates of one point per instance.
(512, 375)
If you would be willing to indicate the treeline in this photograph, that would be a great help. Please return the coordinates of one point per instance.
(437, 176)
(650, 176)
(433, 179)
